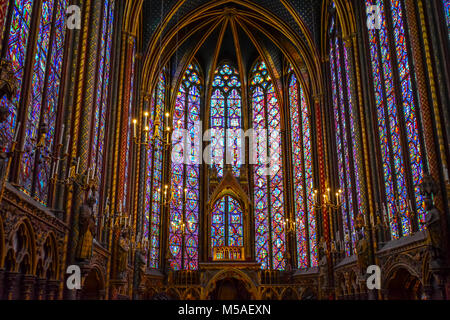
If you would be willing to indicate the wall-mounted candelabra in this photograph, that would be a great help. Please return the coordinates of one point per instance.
(87, 180)
(9, 86)
(151, 138)
(167, 196)
(290, 225)
(5, 158)
(325, 202)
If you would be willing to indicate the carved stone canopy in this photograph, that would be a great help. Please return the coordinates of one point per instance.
(229, 186)
(8, 81)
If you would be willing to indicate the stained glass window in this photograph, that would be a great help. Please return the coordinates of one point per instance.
(42, 105)
(184, 207)
(102, 91)
(268, 178)
(3, 12)
(226, 119)
(227, 225)
(397, 120)
(19, 32)
(129, 141)
(346, 138)
(447, 14)
(306, 232)
(154, 170)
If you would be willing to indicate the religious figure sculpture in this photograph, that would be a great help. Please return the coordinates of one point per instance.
(140, 264)
(123, 248)
(4, 155)
(87, 230)
(432, 219)
(362, 245)
(8, 81)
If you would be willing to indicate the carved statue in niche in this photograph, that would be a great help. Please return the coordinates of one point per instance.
(87, 229)
(4, 156)
(287, 257)
(323, 263)
(141, 264)
(432, 219)
(362, 245)
(8, 81)
(123, 248)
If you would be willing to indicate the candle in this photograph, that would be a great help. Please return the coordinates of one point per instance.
(167, 119)
(53, 171)
(337, 198)
(78, 166)
(61, 135)
(134, 128)
(57, 166)
(16, 134)
(66, 151)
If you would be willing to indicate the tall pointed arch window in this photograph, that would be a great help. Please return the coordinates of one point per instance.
(398, 121)
(268, 181)
(154, 170)
(184, 207)
(103, 87)
(446, 4)
(227, 225)
(16, 38)
(226, 119)
(127, 164)
(3, 12)
(303, 175)
(345, 132)
(42, 100)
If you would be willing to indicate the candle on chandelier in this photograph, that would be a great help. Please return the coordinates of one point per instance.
(57, 167)
(69, 173)
(167, 119)
(134, 128)
(16, 134)
(145, 117)
(61, 135)
(78, 166)
(66, 151)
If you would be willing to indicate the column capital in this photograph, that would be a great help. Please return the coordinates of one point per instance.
(318, 97)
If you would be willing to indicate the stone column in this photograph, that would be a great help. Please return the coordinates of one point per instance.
(428, 107)
(2, 282)
(10, 284)
(52, 289)
(27, 286)
(40, 288)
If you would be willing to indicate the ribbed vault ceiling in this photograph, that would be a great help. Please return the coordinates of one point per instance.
(238, 31)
